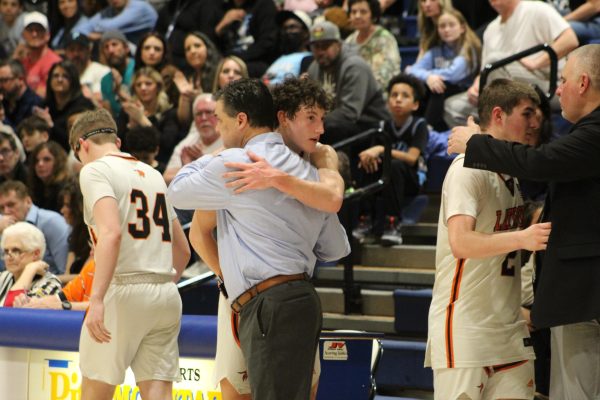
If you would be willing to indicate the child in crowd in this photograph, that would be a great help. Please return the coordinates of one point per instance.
(449, 66)
(409, 134)
(143, 144)
(32, 131)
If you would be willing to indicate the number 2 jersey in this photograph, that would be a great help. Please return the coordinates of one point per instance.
(475, 318)
(145, 215)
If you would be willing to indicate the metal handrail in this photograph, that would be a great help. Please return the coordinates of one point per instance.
(352, 292)
(488, 68)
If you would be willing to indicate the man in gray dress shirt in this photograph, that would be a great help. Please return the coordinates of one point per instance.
(268, 244)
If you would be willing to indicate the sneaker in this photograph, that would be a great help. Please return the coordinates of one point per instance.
(391, 235)
(363, 229)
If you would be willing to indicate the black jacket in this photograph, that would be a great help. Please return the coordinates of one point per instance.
(568, 287)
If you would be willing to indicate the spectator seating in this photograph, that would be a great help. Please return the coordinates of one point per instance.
(411, 308)
(401, 367)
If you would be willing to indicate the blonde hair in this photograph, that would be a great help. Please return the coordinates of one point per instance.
(90, 121)
(469, 45)
(238, 61)
(163, 103)
(427, 27)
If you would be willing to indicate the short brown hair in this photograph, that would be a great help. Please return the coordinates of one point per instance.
(505, 94)
(90, 121)
(14, 186)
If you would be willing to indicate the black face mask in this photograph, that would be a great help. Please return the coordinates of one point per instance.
(291, 42)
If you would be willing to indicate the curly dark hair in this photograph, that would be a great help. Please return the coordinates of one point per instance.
(410, 80)
(294, 93)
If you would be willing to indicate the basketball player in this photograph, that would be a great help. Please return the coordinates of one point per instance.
(478, 343)
(134, 313)
(300, 105)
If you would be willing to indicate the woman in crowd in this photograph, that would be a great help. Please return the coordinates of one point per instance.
(48, 174)
(375, 44)
(202, 58)
(79, 245)
(231, 68)
(63, 94)
(449, 66)
(150, 106)
(70, 18)
(153, 51)
(23, 246)
(429, 12)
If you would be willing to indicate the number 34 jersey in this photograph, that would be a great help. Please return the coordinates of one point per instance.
(475, 318)
(144, 213)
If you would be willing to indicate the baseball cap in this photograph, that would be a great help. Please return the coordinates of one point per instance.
(35, 17)
(76, 37)
(108, 35)
(324, 31)
(301, 16)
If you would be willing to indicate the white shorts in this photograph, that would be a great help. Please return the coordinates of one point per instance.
(511, 381)
(229, 360)
(143, 320)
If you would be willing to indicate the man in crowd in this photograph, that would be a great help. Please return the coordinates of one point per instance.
(270, 250)
(203, 137)
(17, 98)
(358, 100)
(567, 297)
(16, 206)
(78, 50)
(116, 52)
(38, 58)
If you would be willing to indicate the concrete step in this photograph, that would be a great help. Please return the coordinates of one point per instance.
(374, 302)
(406, 256)
(369, 323)
(387, 276)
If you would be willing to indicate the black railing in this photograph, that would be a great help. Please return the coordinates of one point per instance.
(488, 68)
(352, 294)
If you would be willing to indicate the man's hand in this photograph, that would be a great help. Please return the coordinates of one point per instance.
(6, 221)
(473, 93)
(460, 135)
(436, 84)
(235, 14)
(369, 159)
(251, 176)
(191, 153)
(536, 236)
(94, 321)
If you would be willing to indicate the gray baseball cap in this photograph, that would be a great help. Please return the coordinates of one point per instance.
(324, 31)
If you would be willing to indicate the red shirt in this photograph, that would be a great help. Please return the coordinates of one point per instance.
(37, 71)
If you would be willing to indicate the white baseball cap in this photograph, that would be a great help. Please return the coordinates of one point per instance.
(35, 17)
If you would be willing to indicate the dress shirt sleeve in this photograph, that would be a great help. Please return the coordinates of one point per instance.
(200, 185)
(333, 243)
(57, 242)
(455, 72)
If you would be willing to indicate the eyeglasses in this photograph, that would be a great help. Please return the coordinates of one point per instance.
(4, 80)
(88, 135)
(5, 152)
(204, 113)
(14, 252)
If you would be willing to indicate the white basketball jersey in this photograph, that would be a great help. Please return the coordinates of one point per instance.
(475, 318)
(145, 214)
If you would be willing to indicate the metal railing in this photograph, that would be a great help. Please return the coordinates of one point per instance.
(352, 291)
(488, 68)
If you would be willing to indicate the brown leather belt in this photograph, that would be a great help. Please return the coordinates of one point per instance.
(249, 294)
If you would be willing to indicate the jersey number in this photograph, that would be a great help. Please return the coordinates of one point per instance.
(508, 265)
(159, 216)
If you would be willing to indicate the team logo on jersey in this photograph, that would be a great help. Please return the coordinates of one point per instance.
(514, 218)
(141, 173)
